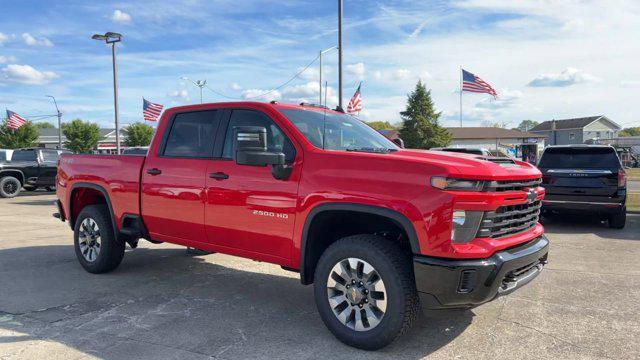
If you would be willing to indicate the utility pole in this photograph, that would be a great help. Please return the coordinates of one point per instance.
(340, 54)
(322, 52)
(198, 83)
(59, 122)
(113, 38)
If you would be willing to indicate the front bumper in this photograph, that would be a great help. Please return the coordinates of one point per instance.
(446, 283)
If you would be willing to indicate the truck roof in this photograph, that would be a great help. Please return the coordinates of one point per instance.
(273, 104)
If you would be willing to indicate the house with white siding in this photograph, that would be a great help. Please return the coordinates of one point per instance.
(577, 130)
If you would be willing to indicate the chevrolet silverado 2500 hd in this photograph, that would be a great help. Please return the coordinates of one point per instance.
(378, 230)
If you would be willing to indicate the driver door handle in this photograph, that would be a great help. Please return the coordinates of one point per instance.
(219, 176)
(154, 171)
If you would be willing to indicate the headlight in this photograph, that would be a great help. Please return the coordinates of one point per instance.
(444, 183)
(465, 225)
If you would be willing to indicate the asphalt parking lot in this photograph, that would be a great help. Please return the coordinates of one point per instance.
(163, 302)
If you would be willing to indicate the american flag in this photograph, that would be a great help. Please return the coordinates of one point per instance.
(150, 111)
(355, 104)
(473, 83)
(14, 121)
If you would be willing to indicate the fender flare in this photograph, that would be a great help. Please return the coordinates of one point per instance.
(398, 218)
(14, 170)
(106, 197)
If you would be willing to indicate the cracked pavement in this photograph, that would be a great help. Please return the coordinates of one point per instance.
(164, 302)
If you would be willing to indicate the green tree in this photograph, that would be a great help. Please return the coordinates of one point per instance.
(420, 127)
(632, 131)
(526, 125)
(82, 137)
(44, 125)
(380, 125)
(139, 134)
(25, 136)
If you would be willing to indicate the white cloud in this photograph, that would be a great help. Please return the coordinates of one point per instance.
(235, 86)
(6, 59)
(506, 98)
(33, 41)
(630, 83)
(569, 76)
(3, 38)
(180, 94)
(120, 17)
(401, 74)
(356, 70)
(261, 95)
(26, 74)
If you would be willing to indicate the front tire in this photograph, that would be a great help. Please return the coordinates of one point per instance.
(96, 246)
(365, 291)
(618, 221)
(9, 187)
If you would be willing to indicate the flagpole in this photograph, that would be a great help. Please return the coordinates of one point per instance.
(460, 96)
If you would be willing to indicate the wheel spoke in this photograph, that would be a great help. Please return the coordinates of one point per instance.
(356, 294)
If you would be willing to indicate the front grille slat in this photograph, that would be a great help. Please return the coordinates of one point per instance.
(509, 220)
(512, 185)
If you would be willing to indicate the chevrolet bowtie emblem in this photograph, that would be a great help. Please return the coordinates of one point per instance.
(531, 196)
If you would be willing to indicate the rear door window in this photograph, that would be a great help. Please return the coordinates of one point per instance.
(50, 155)
(584, 158)
(192, 135)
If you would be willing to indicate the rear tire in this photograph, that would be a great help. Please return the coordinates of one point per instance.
(95, 243)
(618, 221)
(389, 309)
(9, 187)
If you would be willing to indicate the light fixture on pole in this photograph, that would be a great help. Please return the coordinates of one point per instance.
(198, 83)
(113, 38)
(322, 52)
(59, 121)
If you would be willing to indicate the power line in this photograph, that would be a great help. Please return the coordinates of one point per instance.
(273, 89)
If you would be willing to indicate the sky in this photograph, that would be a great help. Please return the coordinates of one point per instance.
(547, 59)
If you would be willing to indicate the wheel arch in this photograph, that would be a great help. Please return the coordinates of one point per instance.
(308, 259)
(9, 172)
(93, 189)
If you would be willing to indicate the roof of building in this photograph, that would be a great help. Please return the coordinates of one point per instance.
(575, 123)
(489, 133)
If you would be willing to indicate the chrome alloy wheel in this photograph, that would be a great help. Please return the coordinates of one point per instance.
(89, 239)
(356, 294)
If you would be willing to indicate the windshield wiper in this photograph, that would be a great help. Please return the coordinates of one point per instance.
(371, 150)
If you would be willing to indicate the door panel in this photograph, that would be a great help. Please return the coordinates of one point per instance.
(173, 183)
(248, 208)
(48, 167)
(173, 201)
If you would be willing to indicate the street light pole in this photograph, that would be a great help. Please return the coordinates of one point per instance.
(340, 54)
(59, 122)
(198, 83)
(113, 38)
(322, 52)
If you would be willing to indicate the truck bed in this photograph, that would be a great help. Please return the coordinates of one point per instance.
(117, 175)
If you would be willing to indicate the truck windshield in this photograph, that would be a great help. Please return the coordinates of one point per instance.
(333, 131)
(579, 158)
(24, 155)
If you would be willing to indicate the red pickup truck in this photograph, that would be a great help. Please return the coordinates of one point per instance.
(380, 231)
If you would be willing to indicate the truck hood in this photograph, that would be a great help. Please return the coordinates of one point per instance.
(470, 165)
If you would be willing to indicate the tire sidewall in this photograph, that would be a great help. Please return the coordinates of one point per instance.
(390, 325)
(6, 179)
(108, 245)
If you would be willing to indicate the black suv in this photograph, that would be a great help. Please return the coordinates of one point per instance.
(29, 168)
(584, 178)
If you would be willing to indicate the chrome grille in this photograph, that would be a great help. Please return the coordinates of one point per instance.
(511, 185)
(509, 220)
